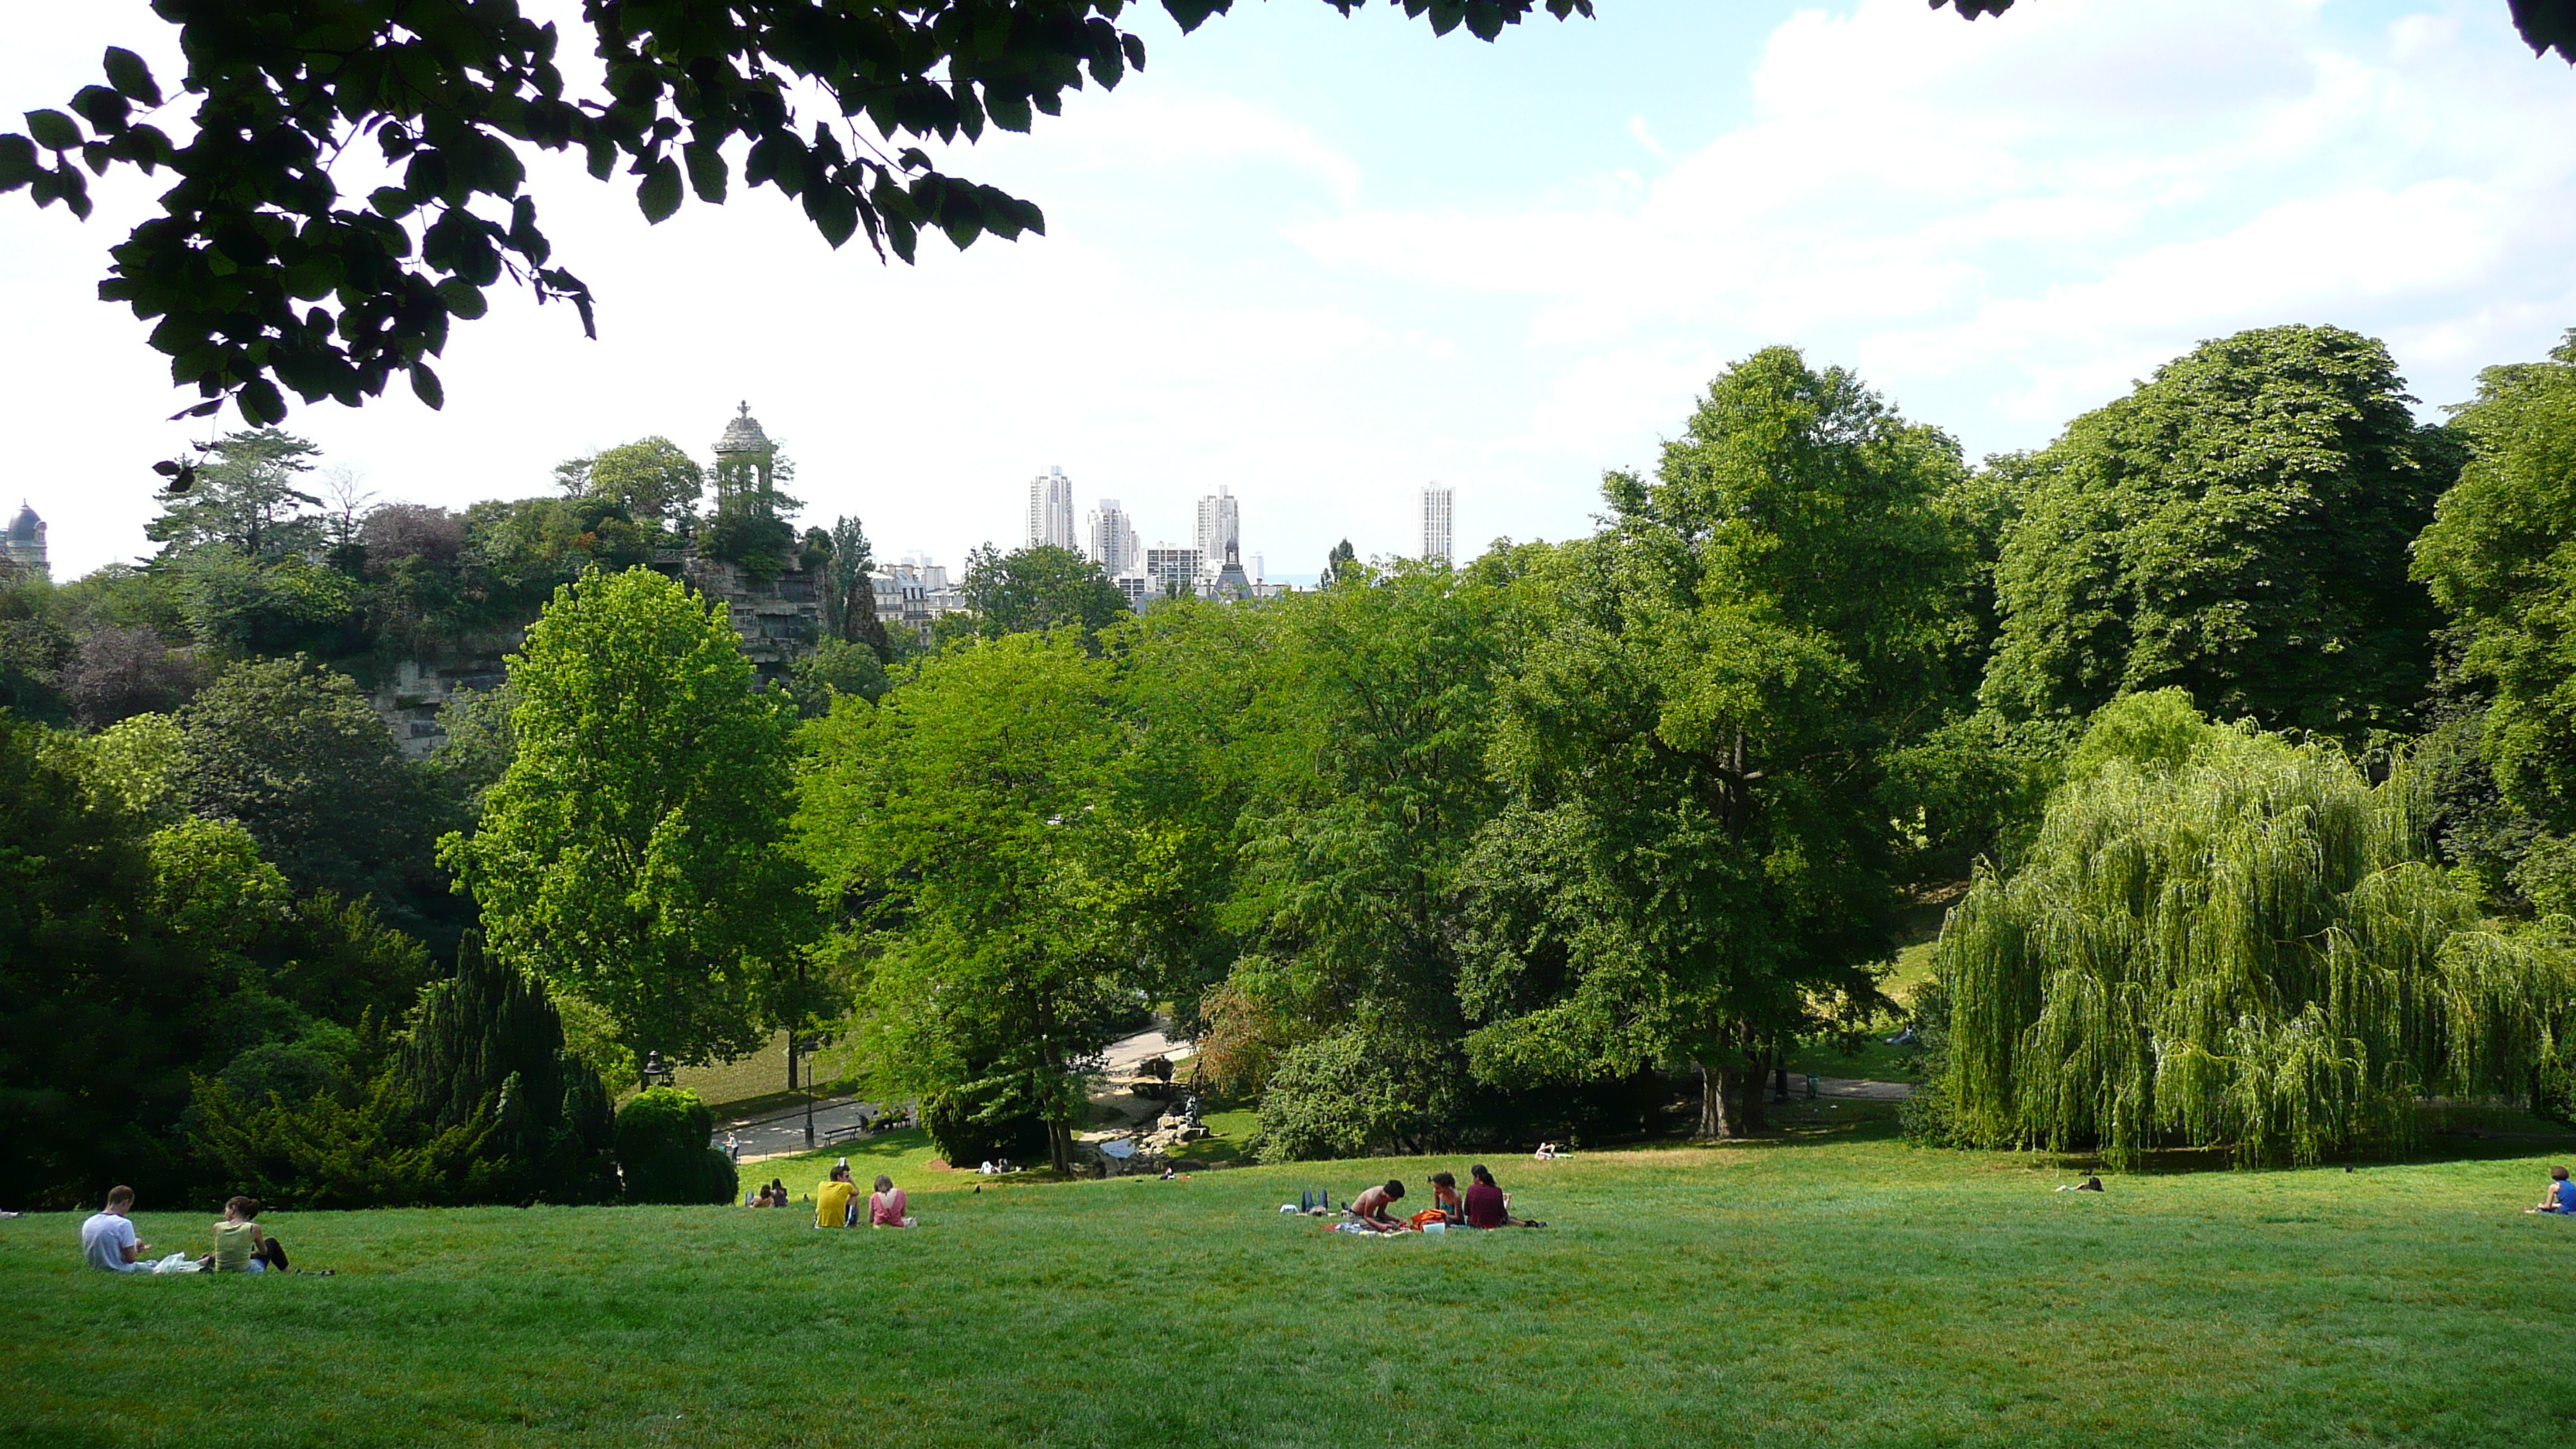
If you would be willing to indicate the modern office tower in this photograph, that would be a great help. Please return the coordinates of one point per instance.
(1051, 511)
(24, 545)
(1165, 562)
(1220, 527)
(1137, 587)
(1257, 577)
(1439, 514)
(1110, 539)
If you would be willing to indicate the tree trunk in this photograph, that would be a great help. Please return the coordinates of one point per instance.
(1060, 1147)
(1730, 1103)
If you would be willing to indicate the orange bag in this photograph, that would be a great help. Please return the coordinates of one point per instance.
(1427, 1215)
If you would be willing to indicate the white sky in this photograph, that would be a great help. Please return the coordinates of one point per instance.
(1325, 261)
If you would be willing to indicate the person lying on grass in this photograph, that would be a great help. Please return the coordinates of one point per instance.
(1488, 1207)
(1369, 1209)
(240, 1245)
(107, 1237)
(832, 1200)
(2559, 1196)
(885, 1205)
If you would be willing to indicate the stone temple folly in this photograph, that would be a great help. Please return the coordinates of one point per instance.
(776, 609)
(779, 616)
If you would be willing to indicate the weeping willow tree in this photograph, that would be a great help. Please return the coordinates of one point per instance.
(2222, 939)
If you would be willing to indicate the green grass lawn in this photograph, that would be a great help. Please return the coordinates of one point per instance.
(1836, 1288)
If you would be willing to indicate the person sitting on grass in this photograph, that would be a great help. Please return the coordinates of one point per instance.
(832, 1200)
(885, 1205)
(240, 1245)
(107, 1236)
(777, 1192)
(1444, 1196)
(2559, 1196)
(1369, 1209)
(1488, 1207)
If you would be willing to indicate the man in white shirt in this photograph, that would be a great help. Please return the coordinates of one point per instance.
(107, 1238)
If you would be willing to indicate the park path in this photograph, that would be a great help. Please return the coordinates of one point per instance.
(780, 1134)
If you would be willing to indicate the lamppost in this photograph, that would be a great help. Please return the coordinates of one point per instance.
(805, 1050)
(656, 1074)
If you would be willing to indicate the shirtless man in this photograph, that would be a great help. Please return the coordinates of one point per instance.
(1369, 1209)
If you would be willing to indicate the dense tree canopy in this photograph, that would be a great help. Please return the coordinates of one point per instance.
(2501, 558)
(2237, 526)
(1036, 589)
(631, 852)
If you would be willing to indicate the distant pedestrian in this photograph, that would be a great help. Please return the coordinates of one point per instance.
(733, 1148)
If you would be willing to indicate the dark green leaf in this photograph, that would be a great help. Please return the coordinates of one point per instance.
(261, 403)
(131, 77)
(53, 130)
(462, 298)
(706, 172)
(424, 385)
(660, 193)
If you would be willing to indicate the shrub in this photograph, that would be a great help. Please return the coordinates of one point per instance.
(1356, 1092)
(968, 1128)
(662, 1149)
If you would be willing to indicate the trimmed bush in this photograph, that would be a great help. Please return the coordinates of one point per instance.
(662, 1149)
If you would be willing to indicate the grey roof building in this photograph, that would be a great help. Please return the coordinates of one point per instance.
(24, 544)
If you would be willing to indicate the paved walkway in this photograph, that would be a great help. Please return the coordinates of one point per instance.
(1850, 1089)
(782, 1134)
(1122, 1057)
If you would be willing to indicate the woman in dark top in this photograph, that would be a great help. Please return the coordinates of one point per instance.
(1486, 1205)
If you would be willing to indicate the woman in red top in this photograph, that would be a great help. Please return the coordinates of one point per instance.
(1486, 1205)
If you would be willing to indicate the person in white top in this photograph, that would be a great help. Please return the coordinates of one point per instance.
(107, 1238)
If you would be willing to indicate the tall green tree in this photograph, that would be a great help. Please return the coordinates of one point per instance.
(651, 478)
(293, 752)
(631, 854)
(246, 498)
(2500, 557)
(2238, 527)
(850, 591)
(1037, 589)
(1695, 860)
(969, 826)
(1372, 727)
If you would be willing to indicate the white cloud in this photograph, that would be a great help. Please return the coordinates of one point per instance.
(2017, 217)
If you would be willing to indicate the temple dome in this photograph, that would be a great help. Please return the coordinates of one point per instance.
(743, 435)
(27, 527)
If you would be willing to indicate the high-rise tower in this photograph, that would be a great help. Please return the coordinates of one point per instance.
(1439, 514)
(1051, 511)
(1110, 539)
(1220, 527)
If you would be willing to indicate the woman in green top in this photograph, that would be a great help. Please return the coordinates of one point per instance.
(240, 1245)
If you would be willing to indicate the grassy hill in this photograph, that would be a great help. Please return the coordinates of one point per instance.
(1846, 1290)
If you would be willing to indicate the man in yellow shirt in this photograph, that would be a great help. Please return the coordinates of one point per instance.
(832, 1200)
